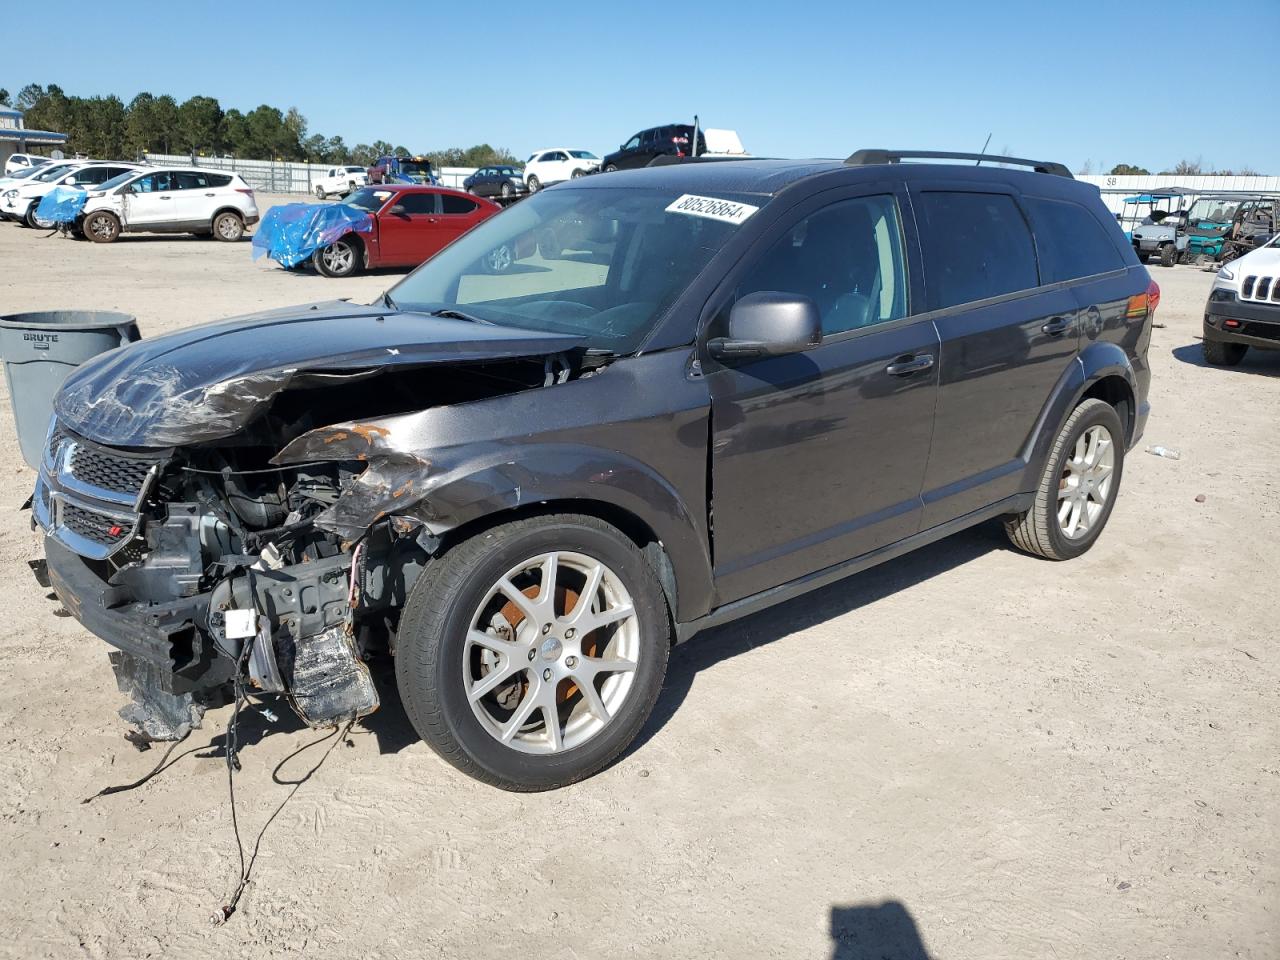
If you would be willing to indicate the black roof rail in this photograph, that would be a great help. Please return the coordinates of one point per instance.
(863, 158)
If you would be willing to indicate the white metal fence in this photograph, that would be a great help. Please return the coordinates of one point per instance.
(1115, 189)
(279, 176)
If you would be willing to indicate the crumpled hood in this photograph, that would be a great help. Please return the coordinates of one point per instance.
(208, 381)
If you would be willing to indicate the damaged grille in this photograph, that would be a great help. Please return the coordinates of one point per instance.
(87, 496)
(96, 527)
(107, 471)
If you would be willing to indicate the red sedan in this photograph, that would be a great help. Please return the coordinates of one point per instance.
(410, 225)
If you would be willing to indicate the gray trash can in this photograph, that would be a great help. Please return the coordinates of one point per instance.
(39, 351)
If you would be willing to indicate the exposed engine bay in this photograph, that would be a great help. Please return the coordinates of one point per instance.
(215, 562)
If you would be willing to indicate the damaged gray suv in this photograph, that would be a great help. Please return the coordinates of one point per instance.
(698, 390)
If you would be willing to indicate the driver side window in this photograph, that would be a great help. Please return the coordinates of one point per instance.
(847, 258)
(632, 143)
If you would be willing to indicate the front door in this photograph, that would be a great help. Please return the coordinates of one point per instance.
(409, 230)
(819, 457)
(151, 199)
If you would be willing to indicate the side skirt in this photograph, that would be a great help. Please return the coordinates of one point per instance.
(821, 578)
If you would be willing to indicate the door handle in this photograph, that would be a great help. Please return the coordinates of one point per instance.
(1057, 326)
(906, 365)
(209, 194)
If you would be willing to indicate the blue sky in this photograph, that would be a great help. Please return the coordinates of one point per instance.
(1047, 80)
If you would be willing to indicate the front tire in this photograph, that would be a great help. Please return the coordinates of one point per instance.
(530, 656)
(339, 259)
(1219, 354)
(611, 168)
(102, 226)
(320, 194)
(1078, 488)
(1168, 255)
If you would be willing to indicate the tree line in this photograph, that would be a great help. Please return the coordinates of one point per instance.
(107, 127)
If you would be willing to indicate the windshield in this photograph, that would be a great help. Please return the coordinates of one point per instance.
(118, 180)
(602, 263)
(415, 168)
(23, 174)
(583, 155)
(368, 199)
(1210, 210)
(355, 169)
(45, 174)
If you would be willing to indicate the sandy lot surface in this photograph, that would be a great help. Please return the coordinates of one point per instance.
(965, 753)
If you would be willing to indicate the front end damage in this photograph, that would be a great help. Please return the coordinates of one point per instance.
(214, 560)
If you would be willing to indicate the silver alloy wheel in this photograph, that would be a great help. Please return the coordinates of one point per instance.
(498, 259)
(101, 226)
(551, 654)
(338, 257)
(229, 227)
(1085, 484)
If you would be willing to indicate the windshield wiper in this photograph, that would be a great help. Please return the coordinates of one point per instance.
(451, 314)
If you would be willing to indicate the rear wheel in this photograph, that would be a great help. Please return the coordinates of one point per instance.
(530, 656)
(1078, 487)
(534, 184)
(507, 190)
(1168, 255)
(228, 227)
(101, 226)
(1221, 354)
(339, 259)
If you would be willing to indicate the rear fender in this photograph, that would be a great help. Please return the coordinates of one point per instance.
(1099, 360)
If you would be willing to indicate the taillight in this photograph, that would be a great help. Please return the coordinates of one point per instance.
(1143, 305)
(248, 191)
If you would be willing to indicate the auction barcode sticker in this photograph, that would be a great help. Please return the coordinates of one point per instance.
(712, 208)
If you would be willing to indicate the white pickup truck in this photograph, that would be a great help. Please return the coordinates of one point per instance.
(340, 181)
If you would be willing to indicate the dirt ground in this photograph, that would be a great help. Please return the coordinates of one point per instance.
(967, 752)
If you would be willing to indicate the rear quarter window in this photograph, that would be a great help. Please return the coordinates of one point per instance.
(1071, 241)
(976, 245)
(218, 179)
(452, 204)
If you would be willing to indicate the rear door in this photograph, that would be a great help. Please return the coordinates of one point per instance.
(195, 199)
(151, 199)
(458, 214)
(1006, 341)
(819, 456)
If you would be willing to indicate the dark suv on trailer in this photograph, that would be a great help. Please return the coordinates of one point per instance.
(671, 140)
(727, 383)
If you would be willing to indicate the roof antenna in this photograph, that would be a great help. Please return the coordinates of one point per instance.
(983, 150)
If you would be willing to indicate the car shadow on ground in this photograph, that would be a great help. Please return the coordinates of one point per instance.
(880, 931)
(828, 603)
(1262, 362)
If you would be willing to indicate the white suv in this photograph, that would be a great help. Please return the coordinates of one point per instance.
(23, 161)
(19, 201)
(546, 167)
(340, 181)
(170, 200)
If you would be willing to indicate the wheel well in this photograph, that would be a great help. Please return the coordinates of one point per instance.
(631, 526)
(221, 210)
(1115, 391)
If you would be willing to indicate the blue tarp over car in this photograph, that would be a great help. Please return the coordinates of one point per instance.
(291, 233)
(60, 205)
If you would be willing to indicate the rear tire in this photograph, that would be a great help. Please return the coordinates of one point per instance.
(228, 227)
(437, 660)
(102, 226)
(1219, 354)
(534, 184)
(508, 190)
(1042, 530)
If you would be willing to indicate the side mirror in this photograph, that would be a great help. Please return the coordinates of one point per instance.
(398, 210)
(769, 324)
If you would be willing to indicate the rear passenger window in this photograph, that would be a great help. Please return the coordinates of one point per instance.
(454, 204)
(192, 181)
(846, 258)
(977, 245)
(1071, 242)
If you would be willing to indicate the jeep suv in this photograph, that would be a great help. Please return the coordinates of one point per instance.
(727, 383)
